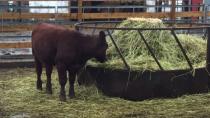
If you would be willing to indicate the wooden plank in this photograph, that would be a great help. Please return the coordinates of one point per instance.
(208, 13)
(66, 16)
(190, 14)
(123, 15)
(145, 15)
(15, 45)
(15, 28)
(41, 16)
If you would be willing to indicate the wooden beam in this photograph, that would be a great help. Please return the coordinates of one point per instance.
(41, 16)
(173, 10)
(79, 16)
(15, 28)
(15, 45)
(145, 15)
(190, 14)
(66, 16)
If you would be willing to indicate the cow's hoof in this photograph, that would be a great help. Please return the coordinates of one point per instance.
(49, 88)
(48, 91)
(39, 87)
(62, 98)
(71, 96)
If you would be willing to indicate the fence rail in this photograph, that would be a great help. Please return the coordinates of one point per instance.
(21, 14)
(15, 44)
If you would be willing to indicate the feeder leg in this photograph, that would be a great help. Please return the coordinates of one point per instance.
(49, 68)
(208, 50)
(62, 74)
(38, 66)
(208, 54)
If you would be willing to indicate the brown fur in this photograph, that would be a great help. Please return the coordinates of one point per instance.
(69, 50)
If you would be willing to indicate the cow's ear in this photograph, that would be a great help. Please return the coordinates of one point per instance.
(102, 35)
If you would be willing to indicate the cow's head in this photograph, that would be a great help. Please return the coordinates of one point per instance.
(101, 48)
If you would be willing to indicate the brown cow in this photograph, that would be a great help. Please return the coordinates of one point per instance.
(69, 50)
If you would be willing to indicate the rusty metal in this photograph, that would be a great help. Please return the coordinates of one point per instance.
(150, 50)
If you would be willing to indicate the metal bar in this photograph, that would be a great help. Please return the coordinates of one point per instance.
(94, 29)
(182, 49)
(169, 28)
(92, 7)
(208, 55)
(15, 36)
(205, 13)
(118, 50)
(150, 50)
(205, 33)
(208, 50)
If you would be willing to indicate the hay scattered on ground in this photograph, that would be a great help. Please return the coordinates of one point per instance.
(20, 98)
(162, 44)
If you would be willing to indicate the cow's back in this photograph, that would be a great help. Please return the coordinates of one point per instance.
(44, 41)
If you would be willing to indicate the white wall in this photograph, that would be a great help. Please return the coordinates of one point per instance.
(164, 9)
(47, 4)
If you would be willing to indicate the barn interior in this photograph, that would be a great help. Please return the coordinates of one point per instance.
(18, 94)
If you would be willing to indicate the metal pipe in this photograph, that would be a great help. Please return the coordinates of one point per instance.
(170, 28)
(150, 50)
(208, 54)
(94, 29)
(205, 13)
(208, 50)
(118, 50)
(182, 49)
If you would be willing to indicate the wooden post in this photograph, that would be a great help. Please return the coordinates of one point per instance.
(79, 12)
(173, 11)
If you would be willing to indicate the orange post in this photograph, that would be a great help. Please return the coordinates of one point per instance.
(173, 11)
(79, 15)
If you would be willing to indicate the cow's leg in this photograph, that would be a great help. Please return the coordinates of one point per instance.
(62, 74)
(38, 66)
(72, 77)
(49, 68)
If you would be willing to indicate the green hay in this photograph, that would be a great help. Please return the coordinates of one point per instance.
(162, 44)
(18, 95)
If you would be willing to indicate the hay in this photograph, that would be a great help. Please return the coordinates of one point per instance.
(162, 44)
(19, 97)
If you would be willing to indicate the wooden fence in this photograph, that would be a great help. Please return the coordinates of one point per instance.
(85, 16)
(81, 15)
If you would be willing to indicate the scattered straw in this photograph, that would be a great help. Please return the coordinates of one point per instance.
(18, 97)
